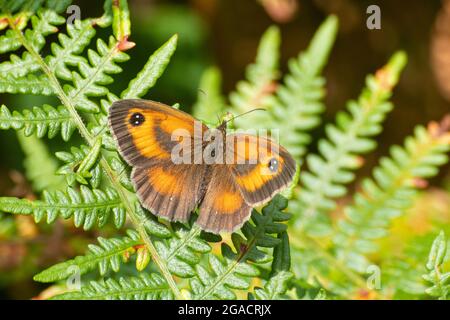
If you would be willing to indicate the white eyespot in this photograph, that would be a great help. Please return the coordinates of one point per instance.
(273, 165)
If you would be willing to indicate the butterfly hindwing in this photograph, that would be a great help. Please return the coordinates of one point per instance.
(168, 190)
(261, 167)
(223, 207)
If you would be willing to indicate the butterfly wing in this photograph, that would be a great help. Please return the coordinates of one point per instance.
(261, 167)
(169, 191)
(223, 207)
(143, 130)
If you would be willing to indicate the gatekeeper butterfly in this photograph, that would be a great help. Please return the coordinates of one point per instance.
(179, 164)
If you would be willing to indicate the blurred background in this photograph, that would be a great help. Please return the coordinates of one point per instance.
(226, 33)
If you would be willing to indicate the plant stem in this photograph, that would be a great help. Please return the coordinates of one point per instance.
(105, 165)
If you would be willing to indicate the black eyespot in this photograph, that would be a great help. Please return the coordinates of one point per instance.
(273, 165)
(137, 119)
(213, 153)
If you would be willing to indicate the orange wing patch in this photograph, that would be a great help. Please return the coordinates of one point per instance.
(163, 181)
(228, 202)
(144, 137)
(171, 124)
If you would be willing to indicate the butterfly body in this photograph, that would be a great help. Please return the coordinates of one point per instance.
(179, 164)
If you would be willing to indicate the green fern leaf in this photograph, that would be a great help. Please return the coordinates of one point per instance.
(182, 251)
(440, 281)
(297, 106)
(29, 84)
(260, 84)
(18, 67)
(389, 193)
(79, 35)
(39, 165)
(107, 255)
(152, 70)
(274, 288)
(42, 25)
(95, 74)
(281, 255)
(352, 135)
(81, 165)
(86, 206)
(144, 287)
(39, 120)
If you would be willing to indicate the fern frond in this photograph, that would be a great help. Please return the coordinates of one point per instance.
(8, 42)
(39, 120)
(144, 287)
(152, 70)
(402, 273)
(255, 91)
(86, 206)
(151, 225)
(390, 192)
(298, 103)
(236, 269)
(339, 152)
(122, 172)
(274, 288)
(281, 255)
(210, 102)
(182, 251)
(95, 74)
(66, 52)
(42, 25)
(39, 165)
(74, 170)
(108, 255)
(439, 281)
(28, 84)
(18, 66)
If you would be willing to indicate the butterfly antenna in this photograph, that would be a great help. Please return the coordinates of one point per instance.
(242, 114)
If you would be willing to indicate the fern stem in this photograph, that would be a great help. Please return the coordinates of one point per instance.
(194, 232)
(110, 172)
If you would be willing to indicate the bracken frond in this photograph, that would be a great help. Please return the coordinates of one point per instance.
(144, 287)
(39, 120)
(86, 206)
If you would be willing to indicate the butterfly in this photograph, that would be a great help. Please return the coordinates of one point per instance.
(180, 165)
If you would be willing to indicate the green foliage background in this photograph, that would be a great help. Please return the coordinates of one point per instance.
(321, 239)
